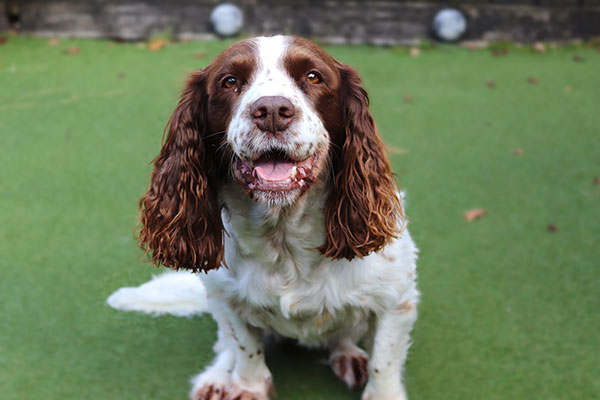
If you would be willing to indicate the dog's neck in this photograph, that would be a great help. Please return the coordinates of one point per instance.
(274, 236)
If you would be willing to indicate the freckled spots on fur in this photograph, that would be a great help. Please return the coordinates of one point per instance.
(376, 371)
(322, 319)
(259, 352)
(405, 307)
(242, 348)
(250, 355)
(388, 257)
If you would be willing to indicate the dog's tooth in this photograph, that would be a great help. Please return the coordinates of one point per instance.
(293, 173)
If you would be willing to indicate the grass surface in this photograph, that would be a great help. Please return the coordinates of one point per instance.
(510, 310)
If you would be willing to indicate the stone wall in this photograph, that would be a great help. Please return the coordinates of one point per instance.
(337, 21)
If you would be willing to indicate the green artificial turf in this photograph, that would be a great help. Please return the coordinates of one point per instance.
(510, 309)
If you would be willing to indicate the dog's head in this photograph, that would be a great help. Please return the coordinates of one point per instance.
(276, 114)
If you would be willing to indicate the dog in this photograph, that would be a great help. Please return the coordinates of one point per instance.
(274, 182)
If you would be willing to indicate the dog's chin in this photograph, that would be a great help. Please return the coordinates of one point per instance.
(276, 179)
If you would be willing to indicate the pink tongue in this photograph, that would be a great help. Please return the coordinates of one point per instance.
(273, 171)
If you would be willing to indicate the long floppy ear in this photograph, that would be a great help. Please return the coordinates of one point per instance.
(180, 216)
(363, 210)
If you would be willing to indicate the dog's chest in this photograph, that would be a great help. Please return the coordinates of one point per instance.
(280, 280)
(310, 308)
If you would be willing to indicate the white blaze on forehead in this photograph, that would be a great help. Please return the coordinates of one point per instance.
(272, 79)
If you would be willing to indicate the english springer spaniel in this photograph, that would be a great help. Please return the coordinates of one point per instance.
(274, 182)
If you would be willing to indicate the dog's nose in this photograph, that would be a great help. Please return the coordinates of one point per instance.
(272, 113)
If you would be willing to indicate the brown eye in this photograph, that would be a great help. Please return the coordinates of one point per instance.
(229, 82)
(313, 78)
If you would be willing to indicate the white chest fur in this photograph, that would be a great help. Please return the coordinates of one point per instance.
(277, 280)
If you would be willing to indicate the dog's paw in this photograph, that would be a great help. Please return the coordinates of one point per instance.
(209, 391)
(257, 389)
(351, 365)
(371, 394)
(212, 384)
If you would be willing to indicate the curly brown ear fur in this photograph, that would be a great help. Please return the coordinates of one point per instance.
(180, 217)
(363, 210)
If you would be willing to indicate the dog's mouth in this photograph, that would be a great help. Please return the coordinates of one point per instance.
(275, 171)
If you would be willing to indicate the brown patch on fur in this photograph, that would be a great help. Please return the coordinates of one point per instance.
(388, 257)
(406, 307)
(322, 319)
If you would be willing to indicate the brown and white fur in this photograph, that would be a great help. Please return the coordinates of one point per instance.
(274, 181)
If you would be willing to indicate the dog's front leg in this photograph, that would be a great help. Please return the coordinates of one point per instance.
(390, 347)
(250, 372)
(239, 371)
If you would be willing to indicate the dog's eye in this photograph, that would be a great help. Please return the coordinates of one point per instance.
(314, 77)
(229, 82)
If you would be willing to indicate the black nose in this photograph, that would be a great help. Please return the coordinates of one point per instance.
(272, 113)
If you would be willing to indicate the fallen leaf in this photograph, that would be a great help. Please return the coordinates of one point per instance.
(578, 58)
(552, 228)
(533, 80)
(200, 54)
(501, 52)
(596, 180)
(157, 44)
(517, 150)
(121, 75)
(3, 40)
(472, 46)
(72, 50)
(474, 214)
(491, 84)
(415, 52)
(395, 150)
(53, 42)
(539, 47)
(407, 98)
(568, 88)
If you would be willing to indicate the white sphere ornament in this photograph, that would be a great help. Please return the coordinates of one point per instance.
(227, 19)
(449, 24)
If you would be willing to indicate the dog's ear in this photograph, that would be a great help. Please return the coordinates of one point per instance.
(180, 216)
(363, 210)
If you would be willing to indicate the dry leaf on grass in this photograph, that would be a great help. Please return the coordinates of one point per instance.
(568, 88)
(474, 214)
(491, 84)
(578, 58)
(395, 150)
(407, 98)
(157, 44)
(71, 50)
(502, 52)
(415, 52)
(533, 80)
(3, 40)
(517, 150)
(53, 42)
(552, 228)
(200, 54)
(596, 180)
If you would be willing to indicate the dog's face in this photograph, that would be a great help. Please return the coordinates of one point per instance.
(277, 100)
(276, 114)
